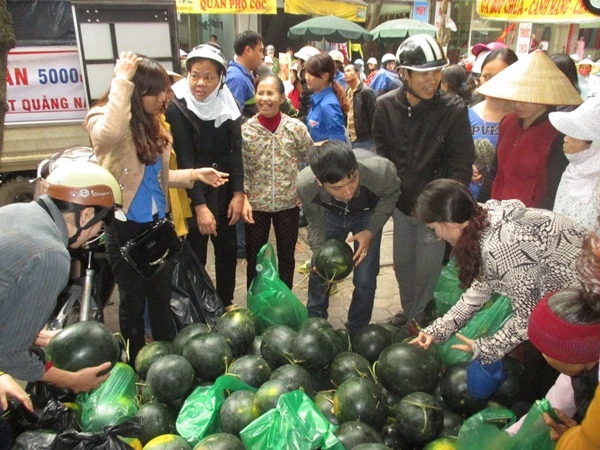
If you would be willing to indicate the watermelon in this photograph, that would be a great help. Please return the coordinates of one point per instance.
(187, 333)
(352, 434)
(509, 391)
(324, 402)
(109, 413)
(237, 412)
(256, 344)
(344, 335)
(276, 347)
(453, 387)
(398, 334)
(170, 378)
(346, 365)
(404, 368)
(239, 329)
(167, 442)
(313, 349)
(157, 419)
(337, 341)
(369, 341)
(209, 354)
(420, 418)
(360, 399)
(81, 345)
(452, 424)
(315, 323)
(150, 353)
(391, 398)
(220, 441)
(333, 259)
(268, 394)
(392, 437)
(296, 377)
(442, 443)
(252, 370)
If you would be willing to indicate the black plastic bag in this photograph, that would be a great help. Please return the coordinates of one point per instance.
(35, 440)
(17, 419)
(193, 295)
(107, 439)
(57, 416)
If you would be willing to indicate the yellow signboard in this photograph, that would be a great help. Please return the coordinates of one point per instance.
(227, 6)
(548, 11)
(351, 10)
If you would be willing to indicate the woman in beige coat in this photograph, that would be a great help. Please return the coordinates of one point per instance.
(130, 141)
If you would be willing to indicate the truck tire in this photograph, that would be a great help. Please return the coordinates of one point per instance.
(16, 190)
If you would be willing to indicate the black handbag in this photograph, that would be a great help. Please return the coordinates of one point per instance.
(153, 249)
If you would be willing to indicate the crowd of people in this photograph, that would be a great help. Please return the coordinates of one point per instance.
(505, 169)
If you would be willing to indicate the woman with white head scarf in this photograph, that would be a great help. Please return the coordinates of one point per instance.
(206, 127)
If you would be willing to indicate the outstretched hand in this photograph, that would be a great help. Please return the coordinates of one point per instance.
(210, 176)
(467, 345)
(423, 340)
(9, 388)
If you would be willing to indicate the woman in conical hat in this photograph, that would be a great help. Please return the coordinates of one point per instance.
(530, 160)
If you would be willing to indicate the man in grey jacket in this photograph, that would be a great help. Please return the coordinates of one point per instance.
(341, 195)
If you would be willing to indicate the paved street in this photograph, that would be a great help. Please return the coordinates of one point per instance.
(386, 299)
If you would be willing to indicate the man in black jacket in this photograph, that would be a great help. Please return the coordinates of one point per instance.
(427, 135)
(362, 108)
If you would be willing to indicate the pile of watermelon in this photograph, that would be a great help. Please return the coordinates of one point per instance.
(377, 391)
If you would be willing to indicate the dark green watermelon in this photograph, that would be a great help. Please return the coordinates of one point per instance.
(252, 370)
(209, 354)
(337, 341)
(324, 402)
(344, 335)
(256, 344)
(187, 333)
(150, 353)
(360, 399)
(509, 391)
(239, 329)
(346, 365)
(81, 345)
(276, 347)
(315, 323)
(391, 398)
(268, 394)
(146, 395)
(157, 419)
(312, 349)
(453, 387)
(392, 437)
(237, 412)
(352, 434)
(420, 419)
(398, 334)
(296, 377)
(170, 378)
(333, 260)
(404, 368)
(452, 424)
(369, 341)
(220, 441)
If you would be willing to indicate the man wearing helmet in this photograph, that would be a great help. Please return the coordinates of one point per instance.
(386, 79)
(34, 239)
(427, 135)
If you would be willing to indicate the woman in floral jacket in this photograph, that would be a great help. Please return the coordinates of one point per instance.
(274, 148)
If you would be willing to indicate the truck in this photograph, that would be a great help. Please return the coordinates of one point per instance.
(62, 62)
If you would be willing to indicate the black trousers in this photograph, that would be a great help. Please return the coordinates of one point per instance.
(224, 243)
(135, 291)
(285, 224)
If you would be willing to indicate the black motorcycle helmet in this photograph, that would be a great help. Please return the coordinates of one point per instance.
(421, 53)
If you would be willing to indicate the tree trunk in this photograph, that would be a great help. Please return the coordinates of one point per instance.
(443, 32)
(375, 16)
(7, 41)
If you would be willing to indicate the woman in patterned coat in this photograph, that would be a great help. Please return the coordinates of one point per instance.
(501, 247)
(274, 147)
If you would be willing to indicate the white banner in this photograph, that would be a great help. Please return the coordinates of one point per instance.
(44, 84)
(523, 39)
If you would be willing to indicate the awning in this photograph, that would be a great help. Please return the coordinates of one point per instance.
(536, 11)
(355, 10)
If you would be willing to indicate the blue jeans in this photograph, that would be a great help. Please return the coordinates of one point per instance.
(364, 277)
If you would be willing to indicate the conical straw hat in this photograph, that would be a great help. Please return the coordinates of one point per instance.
(533, 79)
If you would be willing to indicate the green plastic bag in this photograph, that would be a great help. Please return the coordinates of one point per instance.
(489, 319)
(269, 298)
(199, 416)
(482, 431)
(112, 403)
(296, 424)
(447, 289)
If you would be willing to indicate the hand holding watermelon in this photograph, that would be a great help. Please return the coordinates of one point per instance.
(423, 340)
(364, 239)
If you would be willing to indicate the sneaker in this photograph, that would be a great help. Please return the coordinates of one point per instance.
(304, 268)
(398, 319)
